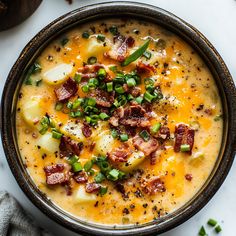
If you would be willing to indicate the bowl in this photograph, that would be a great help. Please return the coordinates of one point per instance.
(167, 20)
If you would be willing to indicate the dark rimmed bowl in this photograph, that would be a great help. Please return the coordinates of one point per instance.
(148, 13)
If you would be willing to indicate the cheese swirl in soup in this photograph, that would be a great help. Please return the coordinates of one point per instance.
(119, 122)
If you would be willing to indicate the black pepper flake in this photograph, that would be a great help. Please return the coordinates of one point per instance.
(96, 204)
(125, 211)
(145, 205)
(132, 206)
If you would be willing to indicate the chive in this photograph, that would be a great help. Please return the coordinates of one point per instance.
(144, 135)
(38, 82)
(85, 35)
(77, 103)
(99, 177)
(104, 116)
(212, 222)
(185, 148)
(88, 166)
(101, 73)
(56, 135)
(91, 102)
(202, 231)
(113, 68)
(155, 128)
(124, 137)
(148, 97)
(88, 119)
(28, 80)
(69, 105)
(94, 119)
(43, 130)
(113, 29)
(35, 68)
(92, 60)
(149, 81)
(91, 172)
(58, 106)
(109, 86)
(76, 167)
(139, 99)
(218, 229)
(101, 37)
(77, 78)
(130, 97)
(113, 175)
(150, 88)
(64, 41)
(135, 55)
(76, 114)
(158, 94)
(119, 89)
(85, 88)
(45, 121)
(114, 133)
(51, 122)
(147, 54)
(121, 174)
(131, 82)
(218, 117)
(72, 159)
(93, 82)
(103, 190)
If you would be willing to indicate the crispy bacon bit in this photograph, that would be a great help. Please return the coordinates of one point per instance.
(69, 147)
(86, 130)
(183, 135)
(119, 155)
(143, 68)
(208, 111)
(130, 41)
(89, 71)
(188, 177)
(164, 133)
(146, 147)
(68, 187)
(153, 186)
(153, 158)
(92, 187)
(135, 91)
(103, 98)
(66, 91)
(80, 177)
(55, 174)
(120, 187)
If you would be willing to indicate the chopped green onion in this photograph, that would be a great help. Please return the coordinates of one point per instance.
(69, 105)
(38, 82)
(109, 86)
(130, 97)
(139, 99)
(92, 60)
(185, 148)
(28, 80)
(45, 121)
(91, 102)
(147, 54)
(148, 97)
(150, 88)
(99, 177)
(93, 82)
(114, 133)
(88, 119)
(85, 88)
(202, 231)
(51, 122)
(113, 29)
(218, 117)
(124, 137)
(212, 222)
(35, 68)
(43, 130)
(101, 37)
(131, 82)
(77, 103)
(103, 190)
(113, 68)
(119, 89)
(56, 135)
(113, 175)
(76, 114)
(58, 106)
(158, 94)
(104, 116)
(149, 81)
(218, 229)
(91, 172)
(77, 78)
(88, 166)
(72, 159)
(102, 73)
(76, 167)
(64, 41)
(85, 35)
(144, 135)
(155, 128)
(135, 55)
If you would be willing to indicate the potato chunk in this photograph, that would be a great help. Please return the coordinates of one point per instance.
(104, 143)
(81, 196)
(48, 143)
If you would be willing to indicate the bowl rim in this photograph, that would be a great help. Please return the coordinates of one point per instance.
(146, 12)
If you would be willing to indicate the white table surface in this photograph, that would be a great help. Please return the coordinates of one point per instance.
(216, 19)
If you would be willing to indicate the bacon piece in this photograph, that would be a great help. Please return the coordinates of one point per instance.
(130, 41)
(89, 71)
(92, 187)
(143, 68)
(188, 177)
(80, 177)
(69, 147)
(119, 155)
(146, 147)
(153, 185)
(135, 91)
(103, 98)
(183, 135)
(164, 133)
(86, 130)
(55, 174)
(66, 91)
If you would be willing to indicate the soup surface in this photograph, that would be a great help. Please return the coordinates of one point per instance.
(119, 122)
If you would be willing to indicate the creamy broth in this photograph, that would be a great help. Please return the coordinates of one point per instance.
(160, 167)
